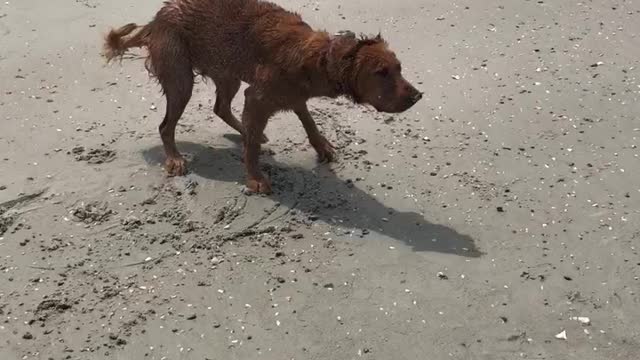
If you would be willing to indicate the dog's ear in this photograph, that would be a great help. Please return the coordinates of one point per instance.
(350, 55)
(360, 42)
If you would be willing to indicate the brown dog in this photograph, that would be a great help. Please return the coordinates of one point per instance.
(283, 60)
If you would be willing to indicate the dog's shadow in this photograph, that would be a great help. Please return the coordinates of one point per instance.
(327, 197)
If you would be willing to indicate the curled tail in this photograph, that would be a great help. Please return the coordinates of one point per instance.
(118, 41)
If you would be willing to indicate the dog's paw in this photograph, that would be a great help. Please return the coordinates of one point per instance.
(176, 166)
(259, 186)
(326, 152)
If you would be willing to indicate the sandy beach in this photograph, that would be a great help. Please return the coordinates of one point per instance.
(495, 220)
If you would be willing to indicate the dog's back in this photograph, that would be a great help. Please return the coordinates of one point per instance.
(230, 38)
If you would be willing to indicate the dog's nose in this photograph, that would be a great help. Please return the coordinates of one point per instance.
(415, 97)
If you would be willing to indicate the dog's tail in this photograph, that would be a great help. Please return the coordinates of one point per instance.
(118, 41)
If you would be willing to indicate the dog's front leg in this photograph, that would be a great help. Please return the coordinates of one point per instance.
(255, 115)
(326, 151)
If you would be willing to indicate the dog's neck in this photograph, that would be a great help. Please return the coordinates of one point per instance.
(339, 71)
(329, 72)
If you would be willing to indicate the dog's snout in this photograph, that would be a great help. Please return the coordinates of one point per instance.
(413, 95)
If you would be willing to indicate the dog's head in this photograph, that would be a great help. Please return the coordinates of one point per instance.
(373, 75)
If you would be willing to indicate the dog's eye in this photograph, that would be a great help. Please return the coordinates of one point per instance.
(384, 72)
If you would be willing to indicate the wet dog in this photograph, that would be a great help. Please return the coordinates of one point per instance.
(284, 61)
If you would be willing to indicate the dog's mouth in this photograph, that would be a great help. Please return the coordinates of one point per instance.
(400, 106)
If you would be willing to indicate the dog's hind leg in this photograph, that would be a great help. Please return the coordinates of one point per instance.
(171, 65)
(226, 90)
